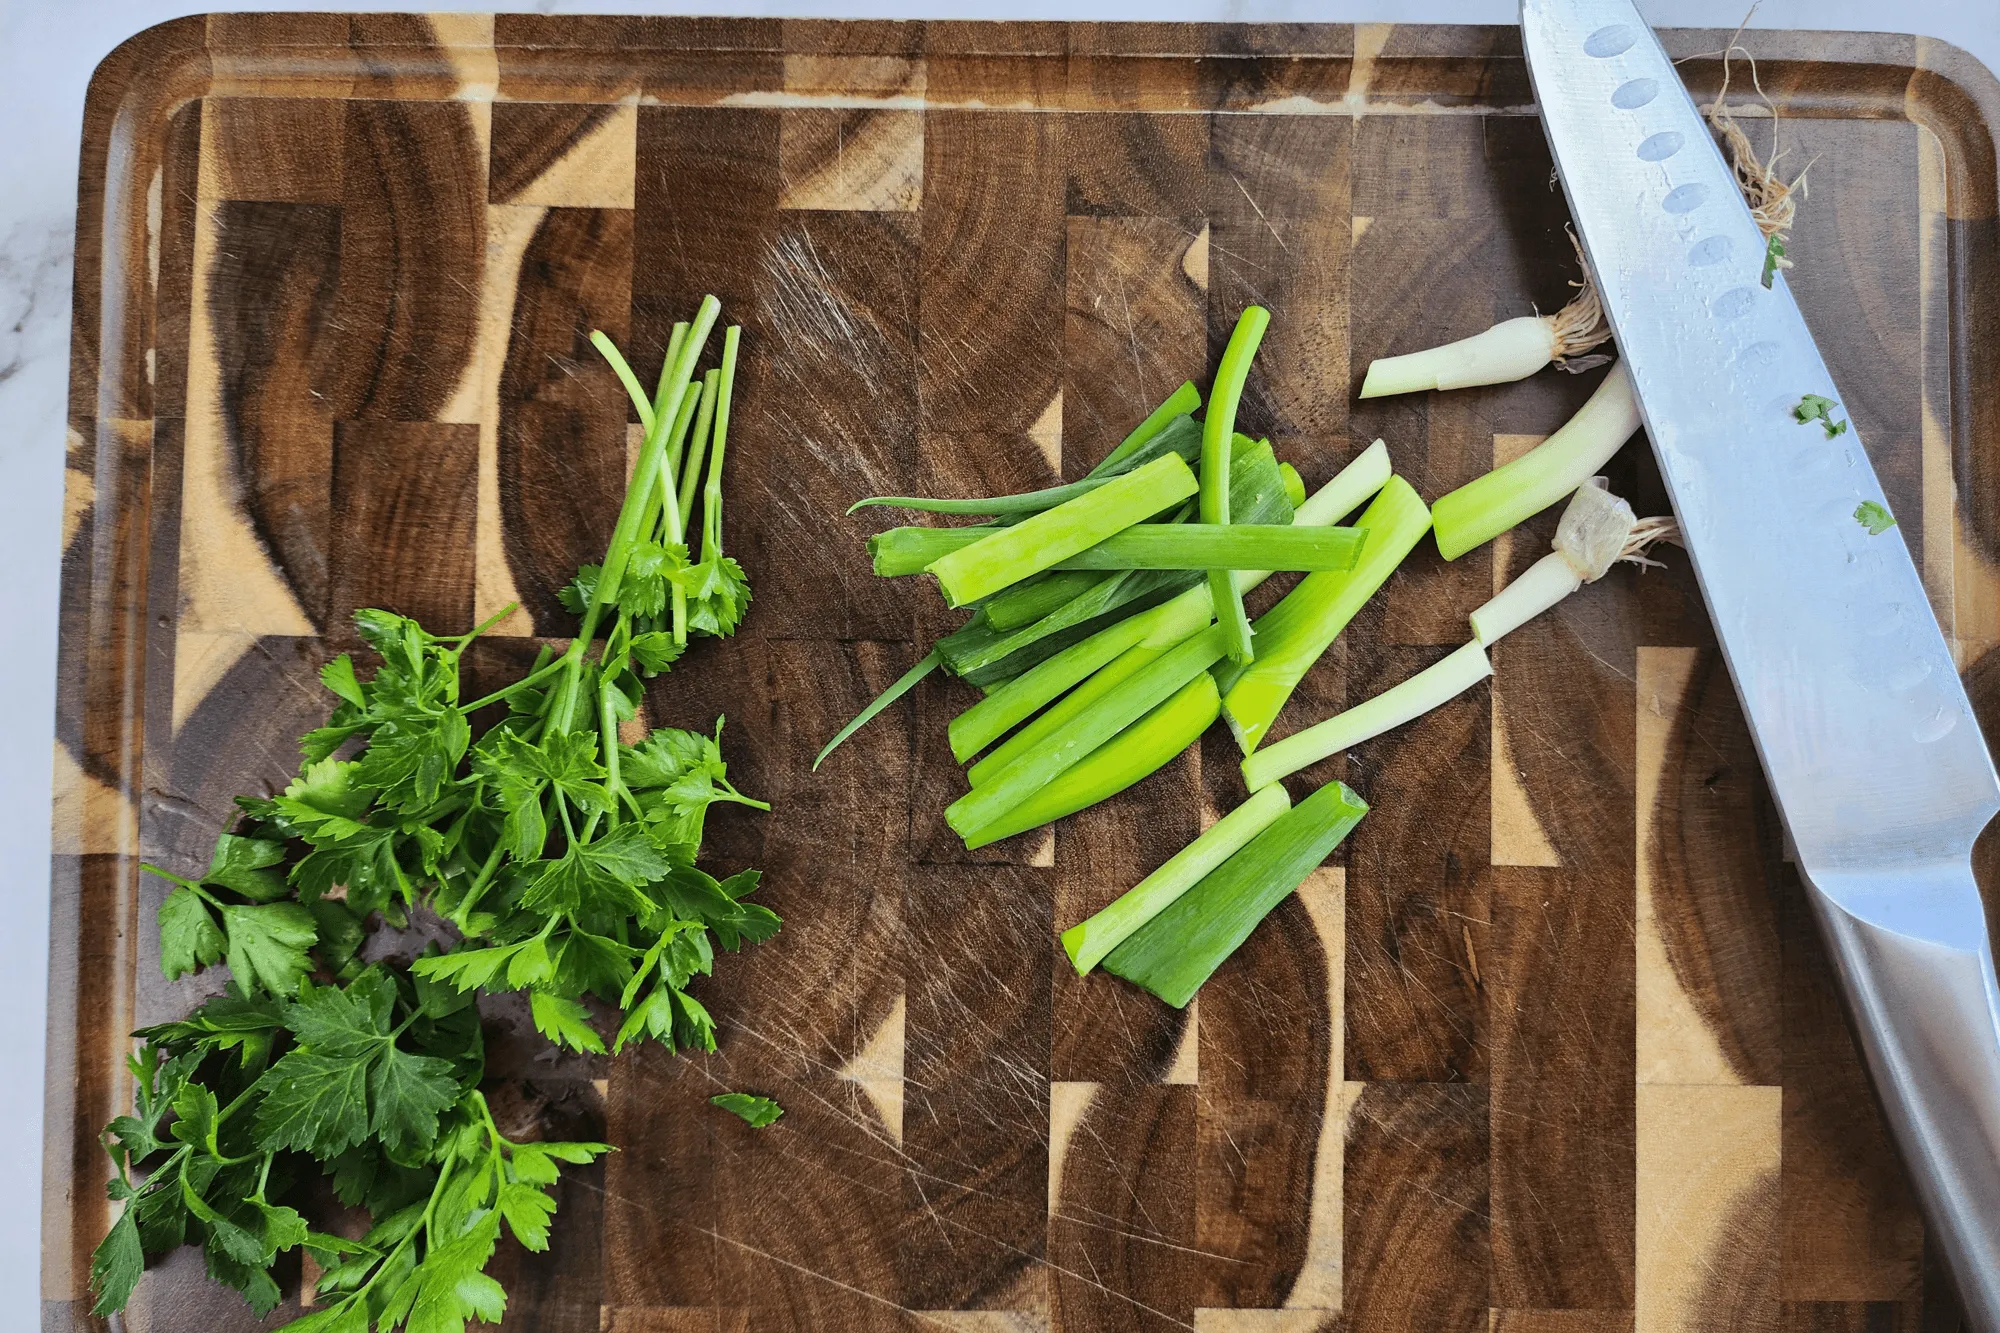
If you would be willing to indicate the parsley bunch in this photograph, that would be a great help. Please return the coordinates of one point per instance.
(565, 858)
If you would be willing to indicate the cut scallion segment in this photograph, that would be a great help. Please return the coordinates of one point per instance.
(1511, 350)
(1218, 430)
(1031, 599)
(1088, 941)
(1180, 948)
(1352, 487)
(904, 684)
(990, 718)
(1134, 754)
(1127, 702)
(1180, 435)
(1481, 510)
(1179, 403)
(1546, 582)
(1443, 680)
(1295, 485)
(1146, 546)
(1292, 635)
(1011, 554)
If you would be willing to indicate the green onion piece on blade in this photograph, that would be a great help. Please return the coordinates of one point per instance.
(1481, 510)
(1218, 431)
(1087, 942)
(1131, 699)
(1035, 544)
(1179, 403)
(1292, 635)
(1444, 680)
(1135, 753)
(904, 684)
(1178, 950)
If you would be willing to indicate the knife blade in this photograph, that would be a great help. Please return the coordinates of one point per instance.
(1848, 685)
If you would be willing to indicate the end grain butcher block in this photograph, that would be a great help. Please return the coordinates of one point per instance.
(1551, 1048)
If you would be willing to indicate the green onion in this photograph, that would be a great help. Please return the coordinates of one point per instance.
(986, 656)
(1179, 403)
(1178, 950)
(1180, 436)
(1135, 753)
(1481, 510)
(1127, 702)
(1088, 941)
(1031, 599)
(1217, 437)
(1292, 635)
(1445, 679)
(1017, 699)
(711, 500)
(1070, 707)
(990, 718)
(1037, 543)
(904, 684)
(1147, 546)
(1295, 485)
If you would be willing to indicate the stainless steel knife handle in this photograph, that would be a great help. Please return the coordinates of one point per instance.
(1928, 1016)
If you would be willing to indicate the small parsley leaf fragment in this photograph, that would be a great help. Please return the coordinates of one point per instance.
(1813, 408)
(753, 1110)
(1874, 517)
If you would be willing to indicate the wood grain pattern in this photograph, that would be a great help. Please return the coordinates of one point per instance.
(1549, 1047)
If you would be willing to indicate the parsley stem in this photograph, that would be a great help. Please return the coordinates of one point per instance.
(623, 368)
(711, 500)
(486, 624)
(521, 684)
(463, 912)
(604, 693)
(697, 449)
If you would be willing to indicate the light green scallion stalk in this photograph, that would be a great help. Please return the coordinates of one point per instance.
(1011, 554)
(1031, 599)
(1179, 949)
(1065, 710)
(1234, 546)
(1132, 698)
(1292, 635)
(1087, 942)
(1481, 510)
(1443, 680)
(1135, 753)
(1217, 437)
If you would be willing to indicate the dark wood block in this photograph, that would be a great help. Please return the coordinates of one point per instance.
(1416, 1240)
(414, 482)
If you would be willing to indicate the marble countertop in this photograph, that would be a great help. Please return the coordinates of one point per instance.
(47, 52)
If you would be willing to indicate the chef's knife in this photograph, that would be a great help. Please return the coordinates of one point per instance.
(1858, 714)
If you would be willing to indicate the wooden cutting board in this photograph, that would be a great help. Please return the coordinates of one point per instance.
(1550, 1048)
